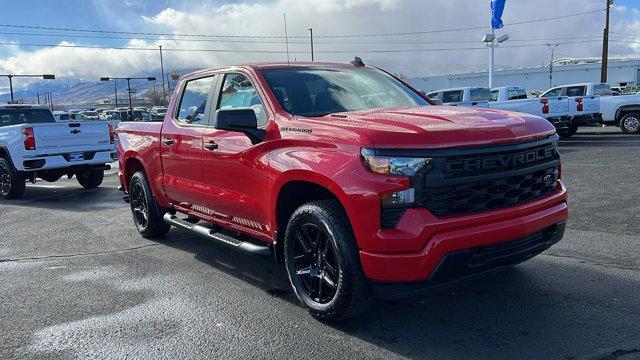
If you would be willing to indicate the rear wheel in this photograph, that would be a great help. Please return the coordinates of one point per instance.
(147, 215)
(90, 178)
(12, 185)
(567, 133)
(323, 263)
(630, 123)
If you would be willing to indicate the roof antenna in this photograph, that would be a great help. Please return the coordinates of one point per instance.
(357, 62)
(286, 37)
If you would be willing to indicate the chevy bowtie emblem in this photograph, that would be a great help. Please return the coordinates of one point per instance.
(75, 132)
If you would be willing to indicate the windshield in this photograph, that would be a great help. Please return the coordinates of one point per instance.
(315, 91)
(25, 116)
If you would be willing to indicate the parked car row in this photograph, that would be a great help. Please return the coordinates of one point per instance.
(567, 107)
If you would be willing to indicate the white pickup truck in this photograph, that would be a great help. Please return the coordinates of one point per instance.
(33, 145)
(565, 113)
(622, 110)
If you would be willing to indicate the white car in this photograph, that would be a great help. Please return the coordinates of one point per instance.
(565, 113)
(33, 145)
(621, 110)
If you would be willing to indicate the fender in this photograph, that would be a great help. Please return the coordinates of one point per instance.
(4, 149)
(624, 109)
(155, 180)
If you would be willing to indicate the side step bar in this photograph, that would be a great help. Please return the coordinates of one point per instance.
(205, 232)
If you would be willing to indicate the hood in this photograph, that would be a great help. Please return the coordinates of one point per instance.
(444, 126)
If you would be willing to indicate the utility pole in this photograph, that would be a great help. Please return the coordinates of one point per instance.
(149, 78)
(164, 92)
(115, 93)
(311, 31)
(605, 45)
(553, 48)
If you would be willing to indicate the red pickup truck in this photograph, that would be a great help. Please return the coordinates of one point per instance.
(347, 175)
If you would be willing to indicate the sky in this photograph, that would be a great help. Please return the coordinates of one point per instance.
(252, 31)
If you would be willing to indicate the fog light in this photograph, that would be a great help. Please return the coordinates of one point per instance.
(404, 197)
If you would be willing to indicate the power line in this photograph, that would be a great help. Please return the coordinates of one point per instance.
(256, 41)
(279, 52)
(281, 37)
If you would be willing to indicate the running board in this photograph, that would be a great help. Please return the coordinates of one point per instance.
(205, 232)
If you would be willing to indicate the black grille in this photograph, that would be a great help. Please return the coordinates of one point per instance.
(488, 194)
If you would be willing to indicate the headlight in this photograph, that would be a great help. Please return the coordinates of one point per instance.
(394, 165)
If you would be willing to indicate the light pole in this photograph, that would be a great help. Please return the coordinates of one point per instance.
(11, 76)
(148, 78)
(311, 31)
(164, 92)
(491, 41)
(553, 48)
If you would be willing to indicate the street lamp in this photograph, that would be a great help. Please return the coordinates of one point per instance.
(553, 48)
(491, 41)
(11, 76)
(148, 78)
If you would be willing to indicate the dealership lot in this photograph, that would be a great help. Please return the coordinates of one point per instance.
(78, 280)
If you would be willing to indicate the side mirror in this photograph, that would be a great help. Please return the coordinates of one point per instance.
(240, 120)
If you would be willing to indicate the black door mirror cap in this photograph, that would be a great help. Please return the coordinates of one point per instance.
(242, 120)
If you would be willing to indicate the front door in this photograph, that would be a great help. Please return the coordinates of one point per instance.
(235, 171)
(181, 145)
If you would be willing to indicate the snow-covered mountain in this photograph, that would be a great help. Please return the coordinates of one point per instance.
(69, 90)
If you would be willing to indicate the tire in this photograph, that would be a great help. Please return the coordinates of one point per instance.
(323, 264)
(90, 178)
(147, 215)
(567, 133)
(12, 185)
(630, 123)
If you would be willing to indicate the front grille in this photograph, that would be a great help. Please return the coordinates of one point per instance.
(488, 194)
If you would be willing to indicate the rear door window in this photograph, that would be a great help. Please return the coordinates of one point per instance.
(452, 96)
(517, 94)
(194, 101)
(553, 92)
(576, 91)
(479, 94)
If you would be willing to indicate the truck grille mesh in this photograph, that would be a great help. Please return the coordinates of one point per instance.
(490, 193)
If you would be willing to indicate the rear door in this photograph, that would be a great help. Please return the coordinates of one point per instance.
(181, 144)
(235, 171)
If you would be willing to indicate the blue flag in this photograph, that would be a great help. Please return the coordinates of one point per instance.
(497, 8)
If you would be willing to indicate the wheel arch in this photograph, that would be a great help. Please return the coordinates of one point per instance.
(624, 110)
(299, 190)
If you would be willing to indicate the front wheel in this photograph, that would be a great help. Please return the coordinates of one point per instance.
(147, 215)
(323, 264)
(630, 123)
(90, 178)
(12, 185)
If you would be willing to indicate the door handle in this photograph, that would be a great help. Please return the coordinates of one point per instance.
(167, 141)
(210, 145)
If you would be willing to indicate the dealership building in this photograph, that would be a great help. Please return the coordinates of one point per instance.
(621, 72)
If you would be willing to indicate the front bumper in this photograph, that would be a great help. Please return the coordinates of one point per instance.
(468, 264)
(412, 251)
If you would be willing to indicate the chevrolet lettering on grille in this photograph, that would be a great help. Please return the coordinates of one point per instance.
(500, 162)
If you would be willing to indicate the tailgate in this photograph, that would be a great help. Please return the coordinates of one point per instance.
(590, 105)
(558, 106)
(527, 106)
(60, 138)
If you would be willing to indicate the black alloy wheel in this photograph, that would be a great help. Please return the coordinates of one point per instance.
(139, 206)
(316, 263)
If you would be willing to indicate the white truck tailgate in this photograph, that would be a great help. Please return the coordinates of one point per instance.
(590, 105)
(62, 138)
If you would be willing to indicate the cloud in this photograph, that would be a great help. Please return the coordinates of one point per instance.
(341, 17)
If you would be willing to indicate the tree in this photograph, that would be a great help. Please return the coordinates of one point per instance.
(154, 94)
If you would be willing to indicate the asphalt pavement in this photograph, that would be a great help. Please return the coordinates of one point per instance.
(77, 281)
